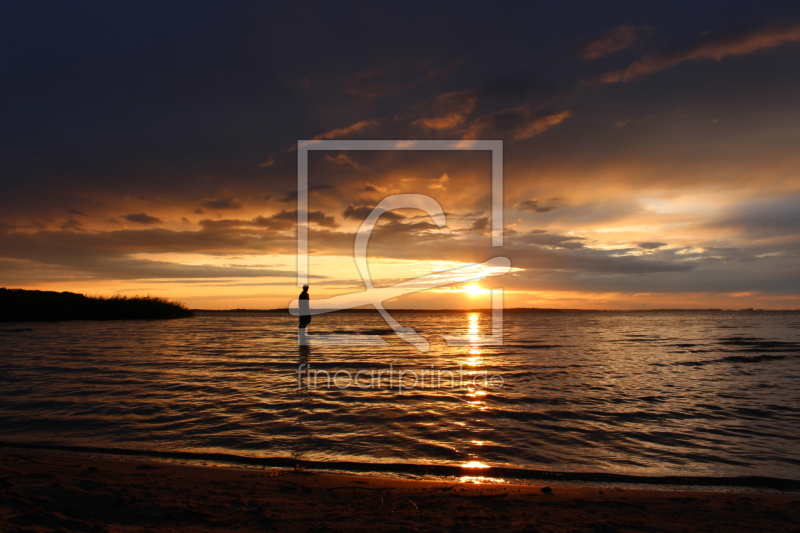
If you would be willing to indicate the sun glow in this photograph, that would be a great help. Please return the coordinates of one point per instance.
(475, 290)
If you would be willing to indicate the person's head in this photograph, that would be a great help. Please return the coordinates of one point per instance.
(305, 287)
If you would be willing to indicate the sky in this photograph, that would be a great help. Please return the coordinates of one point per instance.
(650, 150)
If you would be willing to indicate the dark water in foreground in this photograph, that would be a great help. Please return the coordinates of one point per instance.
(641, 393)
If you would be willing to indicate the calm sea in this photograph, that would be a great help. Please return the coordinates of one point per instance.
(641, 393)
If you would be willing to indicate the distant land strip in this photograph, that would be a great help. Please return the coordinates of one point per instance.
(20, 305)
(509, 310)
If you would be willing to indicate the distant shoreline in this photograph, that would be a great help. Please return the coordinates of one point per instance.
(516, 310)
(20, 305)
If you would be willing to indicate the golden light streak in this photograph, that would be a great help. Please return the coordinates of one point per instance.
(475, 464)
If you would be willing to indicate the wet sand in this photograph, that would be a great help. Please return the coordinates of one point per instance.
(40, 491)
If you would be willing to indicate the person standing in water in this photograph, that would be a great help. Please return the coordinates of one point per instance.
(305, 313)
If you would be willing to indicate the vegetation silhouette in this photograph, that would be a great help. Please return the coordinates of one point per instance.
(20, 305)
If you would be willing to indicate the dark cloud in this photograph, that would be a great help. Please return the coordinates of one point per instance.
(536, 206)
(581, 259)
(71, 224)
(141, 218)
(547, 239)
(57, 246)
(525, 85)
(775, 278)
(106, 255)
(314, 217)
(765, 217)
(281, 221)
(109, 268)
(291, 196)
(222, 203)
(408, 239)
(726, 254)
(482, 225)
(715, 46)
(361, 212)
(651, 245)
(77, 212)
(368, 84)
(388, 78)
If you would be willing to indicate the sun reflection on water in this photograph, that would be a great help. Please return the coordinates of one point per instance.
(475, 358)
(481, 479)
(474, 326)
(475, 464)
(475, 396)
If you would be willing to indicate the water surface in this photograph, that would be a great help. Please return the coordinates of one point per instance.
(641, 393)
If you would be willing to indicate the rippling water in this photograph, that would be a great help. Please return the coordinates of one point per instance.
(644, 393)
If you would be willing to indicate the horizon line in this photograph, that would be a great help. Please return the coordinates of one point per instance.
(513, 309)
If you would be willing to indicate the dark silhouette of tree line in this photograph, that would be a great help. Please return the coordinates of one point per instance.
(20, 305)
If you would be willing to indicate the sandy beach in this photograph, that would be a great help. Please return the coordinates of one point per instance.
(50, 492)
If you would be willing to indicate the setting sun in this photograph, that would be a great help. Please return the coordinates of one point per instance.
(475, 290)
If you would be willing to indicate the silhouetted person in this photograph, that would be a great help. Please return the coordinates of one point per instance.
(305, 313)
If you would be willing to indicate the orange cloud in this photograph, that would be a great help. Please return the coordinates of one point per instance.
(516, 123)
(342, 159)
(441, 123)
(141, 218)
(268, 163)
(451, 109)
(716, 47)
(609, 42)
(344, 132)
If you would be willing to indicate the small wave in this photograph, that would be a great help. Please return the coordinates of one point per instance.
(752, 358)
(759, 344)
(734, 359)
(538, 346)
(439, 470)
(748, 412)
(374, 331)
(738, 339)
